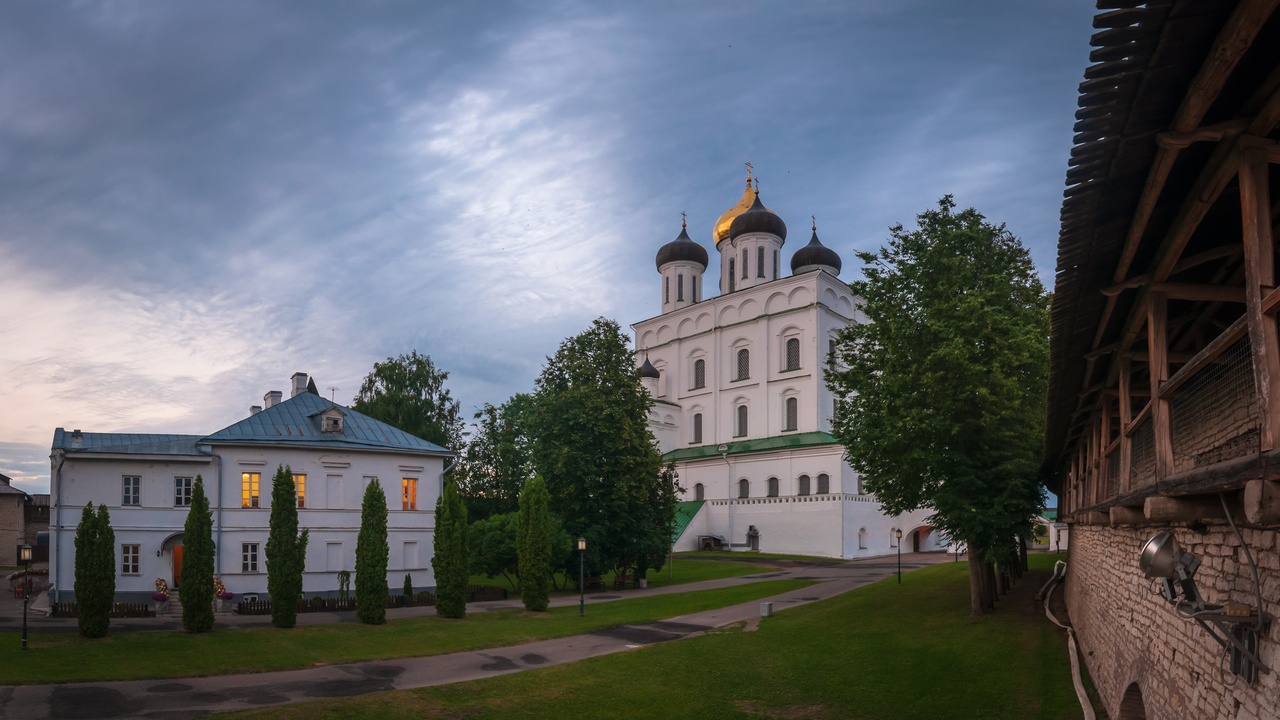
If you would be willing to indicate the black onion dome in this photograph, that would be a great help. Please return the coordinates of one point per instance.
(815, 253)
(647, 370)
(682, 248)
(758, 219)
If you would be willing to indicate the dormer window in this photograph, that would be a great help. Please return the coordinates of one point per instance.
(331, 421)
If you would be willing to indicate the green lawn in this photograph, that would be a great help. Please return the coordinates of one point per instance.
(732, 557)
(683, 570)
(885, 651)
(66, 657)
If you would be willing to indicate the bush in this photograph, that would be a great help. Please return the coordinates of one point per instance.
(371, 557)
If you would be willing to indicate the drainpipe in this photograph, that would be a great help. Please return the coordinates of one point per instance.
(217, 541)
(443, 472)
(56, 519)
(724, 453)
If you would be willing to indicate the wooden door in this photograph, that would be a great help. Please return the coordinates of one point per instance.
(177, 566)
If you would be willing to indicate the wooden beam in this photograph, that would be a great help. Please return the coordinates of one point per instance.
(1127, 516)
(1180, 140)
(1126, 443)
(1163, 510)
(1259, 269)
(1158, 369)
(1207, 355)
(1262, 502)
(1189, 291)
(1270, 300)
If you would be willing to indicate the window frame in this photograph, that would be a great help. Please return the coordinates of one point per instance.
(732, 277)
(696, 427)
(741, 421)
(250, 553)
(788, 356)
(745, 260)
(744, 489)
(760, 262)
(790, 413)
(803, 485)
(300, 489)
(824, 484)
(742, 364)
(679, 287)
(178, 490)
(699, 374)
(699, 491)
(125, 495)
(128, 550)
(250, 489)
(408, 493)
(772, 487)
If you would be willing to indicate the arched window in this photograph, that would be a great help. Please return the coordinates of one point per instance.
(697, 428)
(693, 288)
(699, 493)
(773, 487)
(699, 374)
(744, 364)
(732, 285)
(862, 538)
(760, 261)
(744, 263)
(666, 289)
(824, 484)
(741, 429)
(793, 354)
(680, 288)
(792, 414)
(775, 264)
(744, 488)
(804, 485)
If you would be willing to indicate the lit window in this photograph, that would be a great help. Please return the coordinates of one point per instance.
(760, 261)
(773, 487)
(741, 430)
(300, 485)
(699, 492)
(181, 491)
(804, 485)
(744, 364)
(409, 494)
(129, 555)
(793, 354)
(697, 428)
(131, 490)
(249, 557)
(249, 482)
(744, 488)
(793, 413)
(824, 484)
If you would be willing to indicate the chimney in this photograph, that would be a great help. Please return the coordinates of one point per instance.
(77, 439)
(271, 398)
(254, 410)
(299, 380)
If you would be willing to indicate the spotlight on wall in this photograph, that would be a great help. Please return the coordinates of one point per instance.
(1162, 558)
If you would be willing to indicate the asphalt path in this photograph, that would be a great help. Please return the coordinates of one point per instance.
(195, 697)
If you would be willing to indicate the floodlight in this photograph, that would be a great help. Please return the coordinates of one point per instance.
(1163, 559)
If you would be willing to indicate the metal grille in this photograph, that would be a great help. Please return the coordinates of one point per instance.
(1113, 473)
(1215, 413)
(1142, 466)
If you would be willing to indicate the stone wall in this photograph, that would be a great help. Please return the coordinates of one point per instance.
(1133, 641)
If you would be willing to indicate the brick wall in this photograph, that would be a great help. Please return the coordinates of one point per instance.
(1129, 636)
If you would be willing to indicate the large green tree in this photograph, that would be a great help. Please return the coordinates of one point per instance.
(408, 393)
(95, 571)
(941, 393)
(592, 445)
(286, 550)
(498, 459)
(534, 545)
(492, 543)
(197, 563)
(371, 557)
(450, 564)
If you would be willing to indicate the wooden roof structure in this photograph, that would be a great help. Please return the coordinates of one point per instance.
(1165, 261)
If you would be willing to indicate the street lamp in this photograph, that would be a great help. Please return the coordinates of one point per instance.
(582, 588)
(24, 554)
(897, 533)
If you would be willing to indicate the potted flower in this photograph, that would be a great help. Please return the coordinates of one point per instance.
(220, 593)
(161, 596)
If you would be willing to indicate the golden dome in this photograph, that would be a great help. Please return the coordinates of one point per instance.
(744, 204)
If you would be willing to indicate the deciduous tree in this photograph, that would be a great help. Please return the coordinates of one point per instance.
(197, 563)
(498, 459)
(408, 393)
(286, 550)
(371, 557)
(941, 394)
(492, 543)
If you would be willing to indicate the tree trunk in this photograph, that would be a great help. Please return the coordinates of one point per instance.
(989, 570)
(1022, 553)
(977, 586)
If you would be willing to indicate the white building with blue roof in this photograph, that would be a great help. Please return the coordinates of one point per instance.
(333, 451)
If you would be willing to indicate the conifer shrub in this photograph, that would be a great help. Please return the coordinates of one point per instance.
(371, 557)
(197, 563)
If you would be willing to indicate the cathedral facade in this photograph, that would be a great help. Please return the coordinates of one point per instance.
(740, 402)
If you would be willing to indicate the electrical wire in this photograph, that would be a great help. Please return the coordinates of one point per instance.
(1257, 586)
(1060, 574)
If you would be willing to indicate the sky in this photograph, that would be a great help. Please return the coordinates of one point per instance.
(199, 199)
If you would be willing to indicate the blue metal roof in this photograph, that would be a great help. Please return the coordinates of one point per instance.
(294, 422)
(131, 443)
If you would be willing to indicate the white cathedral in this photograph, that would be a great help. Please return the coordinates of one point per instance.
(740, 402)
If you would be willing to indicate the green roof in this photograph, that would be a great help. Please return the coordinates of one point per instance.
(780, 442)
(686, 510)
(1050, 515)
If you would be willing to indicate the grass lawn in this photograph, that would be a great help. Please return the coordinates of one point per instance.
(884, 651)
(683, 570)
(66, 657)
(750, 556)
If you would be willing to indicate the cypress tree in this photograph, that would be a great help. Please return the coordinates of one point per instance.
(371, 557)
(197, 563)
(286, 550)
(104, 567)
(534, 545)
(89, 583)
(450, 563)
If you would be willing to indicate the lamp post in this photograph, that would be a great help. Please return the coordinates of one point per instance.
(24, 554)
(582, 588)
(897, 533)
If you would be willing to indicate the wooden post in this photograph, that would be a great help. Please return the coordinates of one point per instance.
(1158, 367)
(1104, 441)
(1126, 417)
(1259, 271)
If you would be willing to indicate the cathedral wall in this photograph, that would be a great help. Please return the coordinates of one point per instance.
(1130, 638)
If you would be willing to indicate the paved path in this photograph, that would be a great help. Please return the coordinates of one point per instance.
(193, 697)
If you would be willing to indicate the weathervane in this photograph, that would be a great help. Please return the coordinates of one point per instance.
(815, 223)
(683, 220)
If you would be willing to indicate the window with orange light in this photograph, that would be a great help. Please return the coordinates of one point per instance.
(409, 494)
